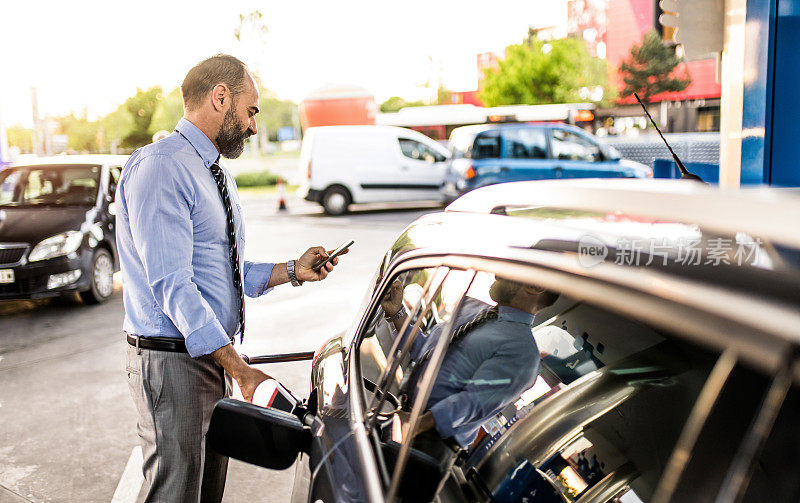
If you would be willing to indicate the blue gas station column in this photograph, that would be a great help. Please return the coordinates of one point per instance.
(770, 127)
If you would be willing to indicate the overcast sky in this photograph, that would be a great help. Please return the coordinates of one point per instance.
(92, 54)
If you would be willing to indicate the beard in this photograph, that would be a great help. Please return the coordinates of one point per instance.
(231, 136)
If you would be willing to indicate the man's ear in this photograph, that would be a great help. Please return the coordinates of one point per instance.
(220, 96)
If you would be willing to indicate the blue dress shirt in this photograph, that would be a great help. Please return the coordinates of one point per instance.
(173, 244)
(483, 372)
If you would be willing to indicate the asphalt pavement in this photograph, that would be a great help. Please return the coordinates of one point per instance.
(68, 422)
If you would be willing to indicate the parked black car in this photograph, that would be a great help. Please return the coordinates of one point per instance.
(57, 227)
(667, 366)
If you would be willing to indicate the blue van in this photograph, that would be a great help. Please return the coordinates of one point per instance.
(487, 154)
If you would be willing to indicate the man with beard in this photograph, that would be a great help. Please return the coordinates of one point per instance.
(491, 359)
(181, 240)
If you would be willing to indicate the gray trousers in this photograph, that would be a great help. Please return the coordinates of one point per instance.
(174, 396)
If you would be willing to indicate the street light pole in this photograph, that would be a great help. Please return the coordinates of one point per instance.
(37, 126)
(4, 157)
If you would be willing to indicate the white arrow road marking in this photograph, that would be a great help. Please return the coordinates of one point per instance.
(132, 478)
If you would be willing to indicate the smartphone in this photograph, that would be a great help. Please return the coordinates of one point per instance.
(336, 253)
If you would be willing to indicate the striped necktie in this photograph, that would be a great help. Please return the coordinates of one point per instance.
(490, 313)
(222, 186)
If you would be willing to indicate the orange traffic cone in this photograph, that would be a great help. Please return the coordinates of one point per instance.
(281, 195)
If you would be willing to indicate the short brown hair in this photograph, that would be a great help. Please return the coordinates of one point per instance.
(218, 69)
(504, 290)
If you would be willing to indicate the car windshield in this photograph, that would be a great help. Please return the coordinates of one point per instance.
(49, 186)
(461, 142)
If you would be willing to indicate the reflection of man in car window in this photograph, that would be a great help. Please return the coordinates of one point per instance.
(491, 360)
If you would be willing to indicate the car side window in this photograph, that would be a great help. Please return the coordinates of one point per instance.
(586, 426)
(486, 145)
(418, 151)
(727, 423)
(401, 303)
(395, 351)
(484, 363)
(571, 146)
(39, 185)
(62, 185)
(770, 479)
(525, 143)
(10, 183)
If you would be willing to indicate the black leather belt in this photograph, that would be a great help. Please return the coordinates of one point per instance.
(158, 343)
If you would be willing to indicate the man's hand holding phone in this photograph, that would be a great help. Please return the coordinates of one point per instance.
(344, 248)
(316, 263)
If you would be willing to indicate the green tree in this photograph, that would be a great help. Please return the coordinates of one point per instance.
(395, 103)
(537, 72)
(82, 133)
(274, 113)
(651, 69)
(114, 127)
(168, 112)
(20, 137)
(443, 96)
(141, 108)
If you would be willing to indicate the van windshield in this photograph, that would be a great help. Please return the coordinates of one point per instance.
(461, 143)
(472, 144)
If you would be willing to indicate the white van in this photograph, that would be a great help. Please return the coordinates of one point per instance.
(368, 164)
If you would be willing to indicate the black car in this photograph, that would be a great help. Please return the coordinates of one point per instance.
(667, 365)
(57, 227)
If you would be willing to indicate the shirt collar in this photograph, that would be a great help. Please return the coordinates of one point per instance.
(506, 313)
(198, 139)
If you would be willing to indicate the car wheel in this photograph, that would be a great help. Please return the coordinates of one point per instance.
(101, 285)
(336, 200)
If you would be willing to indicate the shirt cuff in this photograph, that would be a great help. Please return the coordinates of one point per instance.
(256, 278)
(207, 339)
(443, 419)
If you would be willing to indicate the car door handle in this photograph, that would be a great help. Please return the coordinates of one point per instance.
(504, 168)
(404, 167)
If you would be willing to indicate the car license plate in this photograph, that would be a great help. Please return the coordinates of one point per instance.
(6, 275)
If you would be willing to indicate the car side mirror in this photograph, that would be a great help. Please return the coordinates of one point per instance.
(263, 436)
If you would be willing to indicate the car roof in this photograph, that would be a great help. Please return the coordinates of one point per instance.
(367, 133)
(480, 128)
(376, 129)
(64, 160)
(761, 298)
(771, 213)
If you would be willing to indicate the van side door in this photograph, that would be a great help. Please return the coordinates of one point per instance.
(369, 163)
(421, 169)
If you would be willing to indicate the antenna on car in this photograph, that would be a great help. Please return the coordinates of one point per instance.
(685, 175)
